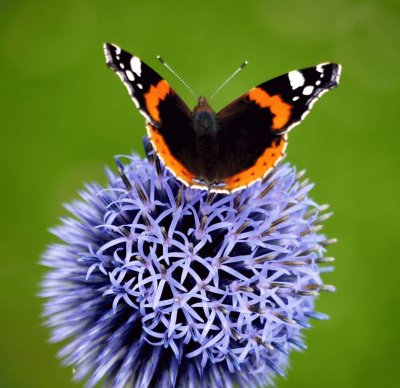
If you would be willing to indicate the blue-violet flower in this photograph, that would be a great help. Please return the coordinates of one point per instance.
(157, 284)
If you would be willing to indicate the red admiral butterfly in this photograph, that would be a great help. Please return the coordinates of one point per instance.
(231, 149)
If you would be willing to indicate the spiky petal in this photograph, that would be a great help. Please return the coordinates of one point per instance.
(157, 284)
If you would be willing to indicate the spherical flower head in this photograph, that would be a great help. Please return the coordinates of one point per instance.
(158, 284)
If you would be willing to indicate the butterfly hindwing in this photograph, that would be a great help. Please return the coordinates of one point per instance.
(168, 117)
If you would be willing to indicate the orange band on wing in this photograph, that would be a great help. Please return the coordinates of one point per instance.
(154, 96)
(263, 164)
(176, 167)
(279, 108)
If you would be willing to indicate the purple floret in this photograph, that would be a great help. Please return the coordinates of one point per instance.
(157, 284)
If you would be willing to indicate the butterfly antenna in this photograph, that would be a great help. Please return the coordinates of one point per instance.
(176, 75)
(241, 67)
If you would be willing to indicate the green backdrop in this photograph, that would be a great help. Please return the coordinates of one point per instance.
(64, 115)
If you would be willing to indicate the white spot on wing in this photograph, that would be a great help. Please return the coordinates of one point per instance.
(121, 65)
(130, 75)
(339, 72)
(308, 90)
(140, 86)
(313, 101)
(295, 98)
(136, 66)
(296, 79)
(318, 82)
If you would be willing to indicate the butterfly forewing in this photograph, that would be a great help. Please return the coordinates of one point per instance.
(253, 127)
(168, 117)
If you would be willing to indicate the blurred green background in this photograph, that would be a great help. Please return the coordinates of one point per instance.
(64, 115)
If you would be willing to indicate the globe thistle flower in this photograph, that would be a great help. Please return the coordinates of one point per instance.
(158, 284)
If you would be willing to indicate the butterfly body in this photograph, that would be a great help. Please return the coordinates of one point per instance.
(231, 149)
(205, 126)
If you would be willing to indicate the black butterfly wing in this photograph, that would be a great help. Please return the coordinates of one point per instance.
(252, 129)
(168, 119)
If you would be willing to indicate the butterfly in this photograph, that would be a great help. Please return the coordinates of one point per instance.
(229, 150)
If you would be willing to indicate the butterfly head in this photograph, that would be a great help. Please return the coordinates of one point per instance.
(202, 105)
